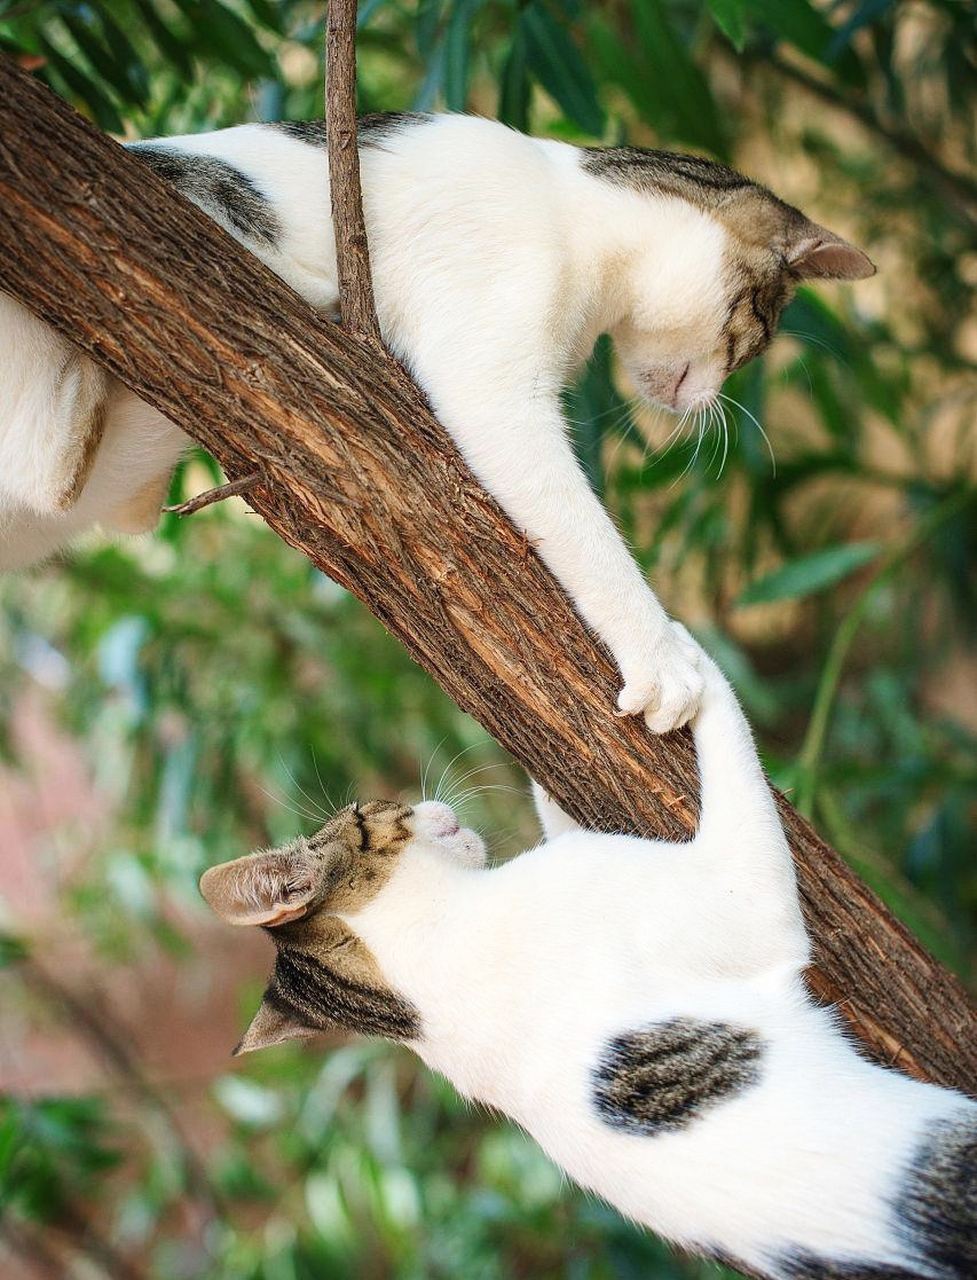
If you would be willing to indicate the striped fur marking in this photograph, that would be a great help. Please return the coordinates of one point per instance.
(320, 995)
(660, 1079)
(372, 130)
(221, 190)
(937, 1208)
(640, 169)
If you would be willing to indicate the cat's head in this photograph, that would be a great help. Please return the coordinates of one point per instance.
(339, 870)
(705, 292)
(309, 893)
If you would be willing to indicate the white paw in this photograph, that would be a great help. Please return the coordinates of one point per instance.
(670, 688)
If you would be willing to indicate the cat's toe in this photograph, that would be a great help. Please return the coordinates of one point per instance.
(671, 696)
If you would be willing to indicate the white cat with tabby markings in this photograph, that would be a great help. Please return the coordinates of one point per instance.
(639, 1008)
(498, 259)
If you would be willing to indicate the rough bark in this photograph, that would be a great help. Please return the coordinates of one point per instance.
(359, 476)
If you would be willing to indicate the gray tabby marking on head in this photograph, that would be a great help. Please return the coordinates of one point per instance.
(221, 190)
(342, 988)
(690, 177)
(372, 130)
(662, 1078)
(934, 1214)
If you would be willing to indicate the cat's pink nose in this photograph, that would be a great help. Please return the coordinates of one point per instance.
(439, 818)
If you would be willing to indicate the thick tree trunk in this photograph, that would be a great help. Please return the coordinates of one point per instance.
(359, 476)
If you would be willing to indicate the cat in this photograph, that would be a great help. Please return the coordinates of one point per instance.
(638, 1007)
(498, 259)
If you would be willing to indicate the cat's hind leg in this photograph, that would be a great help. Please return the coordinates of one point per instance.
(52, 414)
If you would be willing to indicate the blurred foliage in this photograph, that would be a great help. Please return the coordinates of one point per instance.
(225, 694)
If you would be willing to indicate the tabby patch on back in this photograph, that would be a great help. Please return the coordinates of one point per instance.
(665, 1077)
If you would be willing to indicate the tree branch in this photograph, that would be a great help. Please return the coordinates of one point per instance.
(209, 496)
(352, 250)
(359, 476)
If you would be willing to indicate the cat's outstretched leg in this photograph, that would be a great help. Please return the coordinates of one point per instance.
(740, 840)
(735, 794)
(523, 457)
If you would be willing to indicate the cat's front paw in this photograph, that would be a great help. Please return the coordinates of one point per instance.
(670, 686)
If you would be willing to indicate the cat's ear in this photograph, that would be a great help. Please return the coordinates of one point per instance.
(263, 888)
(814, 253)
(271, 1026)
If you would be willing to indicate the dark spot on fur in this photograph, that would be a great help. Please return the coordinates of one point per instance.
(373, 130)
(934, 1215)
(217, 187)
(938, 1204)
(804, 1265)
(662, 1078)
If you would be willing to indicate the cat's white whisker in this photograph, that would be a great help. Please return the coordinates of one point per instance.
(323, 817)
(736, 404)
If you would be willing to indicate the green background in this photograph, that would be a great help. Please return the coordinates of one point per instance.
(217, 694)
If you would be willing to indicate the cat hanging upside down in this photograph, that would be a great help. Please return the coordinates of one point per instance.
(497, 260)
(638, 1007)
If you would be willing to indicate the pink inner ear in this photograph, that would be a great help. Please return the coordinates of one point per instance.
(829, 259)
(264, 889)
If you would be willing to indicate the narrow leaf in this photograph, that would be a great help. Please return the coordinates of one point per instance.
(456, 54)
(729, 18)
(515, 87)
(807, 574)
(561, 70)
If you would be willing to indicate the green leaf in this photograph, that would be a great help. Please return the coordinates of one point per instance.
(515, 88)
(426, 26)
(12, 949)
(560, 68)
(164, 39)
(78, 85)
(456, 53)
(679, 84)
(130, 65)
(99, 59)
(729, 18)
(269, 14)
(800, 24)
(227, 37)
(811, 573)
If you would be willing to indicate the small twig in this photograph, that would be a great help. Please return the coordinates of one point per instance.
(210, 496)
(356, 305)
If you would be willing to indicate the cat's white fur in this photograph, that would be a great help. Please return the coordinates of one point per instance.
(497, 261)
(522, 972)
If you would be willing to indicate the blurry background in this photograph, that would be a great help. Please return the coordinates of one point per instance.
(169, 702)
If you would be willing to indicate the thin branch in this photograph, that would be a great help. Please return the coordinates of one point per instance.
(210, 496)
(356, 303)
